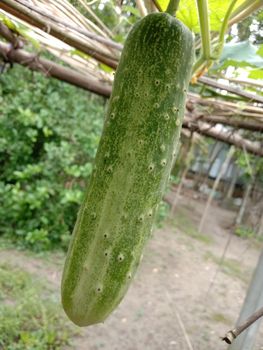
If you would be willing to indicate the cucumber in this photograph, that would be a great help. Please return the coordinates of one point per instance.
(132, 165)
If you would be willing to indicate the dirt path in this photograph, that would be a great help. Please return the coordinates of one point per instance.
(179, 288)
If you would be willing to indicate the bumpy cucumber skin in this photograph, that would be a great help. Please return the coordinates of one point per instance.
(132, 165)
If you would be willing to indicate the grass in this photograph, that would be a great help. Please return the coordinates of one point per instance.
(182, 221)
(220, 318)
(230, 267)
(30, 316)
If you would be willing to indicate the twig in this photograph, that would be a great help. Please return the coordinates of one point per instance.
(233, 333)
(69, 38)
(172, 7)
(187, 339)
(236, 91)
(216, 183)
(54, 70)
(6, 33)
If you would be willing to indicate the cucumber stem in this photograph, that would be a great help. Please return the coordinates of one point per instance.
(202, 6)
(172, 7)
(221, 40)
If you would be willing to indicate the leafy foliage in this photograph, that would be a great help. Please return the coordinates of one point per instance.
(49, 132)
(244, 232)
(187, 13)
(240, 54)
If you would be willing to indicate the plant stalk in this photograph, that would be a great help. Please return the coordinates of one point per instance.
(223, 29)
(202, 6)
(172, 7)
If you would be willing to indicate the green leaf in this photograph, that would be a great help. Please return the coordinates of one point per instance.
(188, 14)
(79, 53)
(163, 4)
(106, 68)
(242, 54)
(256, 74)
(10, 24)
(260, 50)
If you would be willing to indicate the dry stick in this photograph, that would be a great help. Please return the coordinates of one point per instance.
(229, 238)
(181, 324)
(234, 90)
(6, 33)
(212, 159)
(79, 30)
(71, 39)
(54, 70)
(232, 138)
(187, 339)
(141, 8)
(226, 104)
(247, 81)
(240, 123)
(188, 164)
(233, 333)
(241, 212)
(219, 176)
(96, 18)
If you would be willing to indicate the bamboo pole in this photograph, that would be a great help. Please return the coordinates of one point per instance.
(216, 183)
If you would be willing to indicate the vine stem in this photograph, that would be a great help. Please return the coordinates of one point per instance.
(202, 6)
(223, 29)
(172, 7)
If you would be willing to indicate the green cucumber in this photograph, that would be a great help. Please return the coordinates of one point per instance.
(132, 165)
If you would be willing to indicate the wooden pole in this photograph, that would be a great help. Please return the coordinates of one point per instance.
(242, 209)
(216, 183)
(253, 301)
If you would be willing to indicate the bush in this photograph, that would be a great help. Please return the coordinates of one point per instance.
(49, 133)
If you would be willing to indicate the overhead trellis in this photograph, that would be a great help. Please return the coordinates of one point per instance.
(84, 53)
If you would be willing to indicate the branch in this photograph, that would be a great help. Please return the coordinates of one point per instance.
(55, 70)
(234, 90)
(230, 137)
(238, 123)
(227, 106)
(245, 81)
(6, 33)
(38, 21)
(233, 333)
(93, 36)
(172, 7)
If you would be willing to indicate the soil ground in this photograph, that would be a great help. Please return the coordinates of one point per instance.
(183, 296)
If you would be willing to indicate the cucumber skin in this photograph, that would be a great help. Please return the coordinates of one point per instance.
(132, 165)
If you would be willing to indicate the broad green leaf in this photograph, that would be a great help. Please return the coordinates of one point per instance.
(106, 68)
(256, 74)
(188, 14)
(10, 24)
(260, 50)
(163, 4)
(79, 53)
(241, 54)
